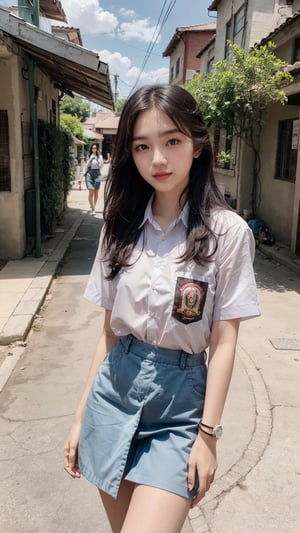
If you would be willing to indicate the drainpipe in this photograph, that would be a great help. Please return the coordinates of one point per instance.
(35, 142)
(35, 150)
(36, 13)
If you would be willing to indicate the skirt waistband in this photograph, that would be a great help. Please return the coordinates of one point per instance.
(169, 356)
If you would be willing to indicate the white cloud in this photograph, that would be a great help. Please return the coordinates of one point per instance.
(128, 73)
(127, 13)
(137, 29)
(91, 19)
(160, 75)
(89, 16)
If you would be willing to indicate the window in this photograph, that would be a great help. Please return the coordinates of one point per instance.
(233, 28)
(5, 184)
(287, 150)
(296, 54)
(239, 21)
(222, 143)
(210, 65)
(172, 74)
(52, 114)
(177, 67)
(228, 38)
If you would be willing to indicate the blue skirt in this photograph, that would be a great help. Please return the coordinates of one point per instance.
(92, 179)
(141, 417)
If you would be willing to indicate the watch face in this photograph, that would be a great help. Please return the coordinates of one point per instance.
(218, 431)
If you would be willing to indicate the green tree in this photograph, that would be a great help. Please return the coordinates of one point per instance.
(76, 107)
(237, 92)
(71, 125)
(120, 104)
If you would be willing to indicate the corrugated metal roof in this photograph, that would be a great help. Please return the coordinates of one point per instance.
(69, 66)
(52, 9)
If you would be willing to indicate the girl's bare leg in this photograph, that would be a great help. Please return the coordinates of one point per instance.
(91, 199)
(153, 509)
(116, 510)
(95, 200)
(143, 509)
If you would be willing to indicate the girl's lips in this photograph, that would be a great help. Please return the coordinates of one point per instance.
(162, 175)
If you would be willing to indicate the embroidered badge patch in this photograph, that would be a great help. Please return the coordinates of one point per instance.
(189, 300)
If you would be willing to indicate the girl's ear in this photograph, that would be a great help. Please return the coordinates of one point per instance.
(197, 152)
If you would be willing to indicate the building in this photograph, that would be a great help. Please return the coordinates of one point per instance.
(183, 49)
(106, 125)
(250, 23)
(37, 69)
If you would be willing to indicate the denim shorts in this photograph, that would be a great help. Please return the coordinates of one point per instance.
(141, 417)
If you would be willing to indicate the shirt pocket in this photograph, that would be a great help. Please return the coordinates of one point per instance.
(189, 299)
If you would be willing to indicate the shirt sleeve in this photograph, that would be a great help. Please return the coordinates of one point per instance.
(236, 294)
(99, 290)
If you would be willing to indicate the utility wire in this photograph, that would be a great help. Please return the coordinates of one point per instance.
(158, 29)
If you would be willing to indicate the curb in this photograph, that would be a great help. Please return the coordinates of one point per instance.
(282, 259)
(19, 323)
(200, 517)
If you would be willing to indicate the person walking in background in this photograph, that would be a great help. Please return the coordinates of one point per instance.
(174, 274)
(92, 173)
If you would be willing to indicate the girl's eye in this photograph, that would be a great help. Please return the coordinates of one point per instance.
(172, 142)
(140, 147)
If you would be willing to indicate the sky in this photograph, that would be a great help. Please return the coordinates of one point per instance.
(131, 35)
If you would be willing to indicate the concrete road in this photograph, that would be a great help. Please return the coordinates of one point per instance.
(38, 402)
(257, 487)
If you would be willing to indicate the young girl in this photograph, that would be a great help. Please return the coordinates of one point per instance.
(92, 172)
(174, 274)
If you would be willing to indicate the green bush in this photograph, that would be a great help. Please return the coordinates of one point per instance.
(55, 169)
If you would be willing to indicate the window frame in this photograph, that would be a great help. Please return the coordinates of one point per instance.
(286, 161)
(237, 20)
(5, 174)
(231, 27)
(296, 51)
(177, 67)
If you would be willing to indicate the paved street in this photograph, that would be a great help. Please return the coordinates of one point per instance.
(257, 487)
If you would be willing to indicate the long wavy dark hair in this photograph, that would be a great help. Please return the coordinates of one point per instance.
(127, 193)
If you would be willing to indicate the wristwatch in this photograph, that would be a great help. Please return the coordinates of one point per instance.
(216, 431)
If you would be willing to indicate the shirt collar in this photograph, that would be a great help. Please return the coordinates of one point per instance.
(148, 215)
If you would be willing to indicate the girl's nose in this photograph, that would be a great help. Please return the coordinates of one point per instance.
(158, 157)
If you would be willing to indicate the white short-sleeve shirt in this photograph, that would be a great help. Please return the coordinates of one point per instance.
(173, 304)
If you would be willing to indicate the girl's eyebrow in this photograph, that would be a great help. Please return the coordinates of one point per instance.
(161, 134)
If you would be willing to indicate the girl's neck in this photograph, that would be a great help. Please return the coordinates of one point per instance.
(166, 210)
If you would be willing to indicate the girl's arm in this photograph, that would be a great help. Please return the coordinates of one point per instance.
(221, 358)
(106, 342)
(86, 166)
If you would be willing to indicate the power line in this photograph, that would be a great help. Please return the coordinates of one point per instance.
(154, 39)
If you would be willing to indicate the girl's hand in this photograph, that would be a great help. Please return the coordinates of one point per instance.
(71, 451)
(203, 461)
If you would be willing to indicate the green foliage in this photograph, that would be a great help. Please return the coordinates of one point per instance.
(225, 158)
(55, 169)
(120, 104)
(234, 95)
(71, 124)
(237, 92)
(75, 107)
